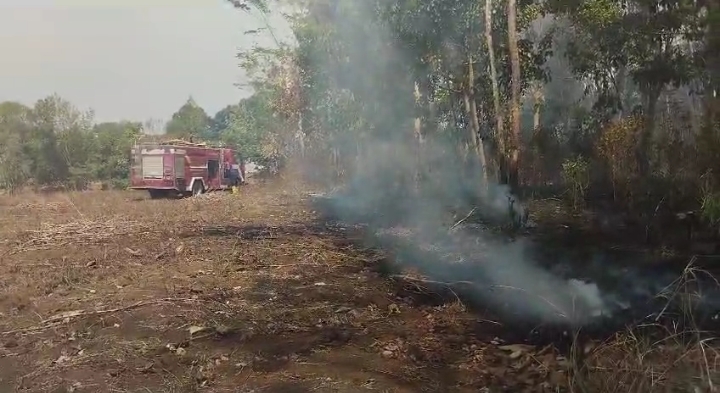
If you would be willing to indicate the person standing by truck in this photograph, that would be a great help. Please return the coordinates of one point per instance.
(237, 174)
(236, 178)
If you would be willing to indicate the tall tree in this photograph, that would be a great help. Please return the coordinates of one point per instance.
(516, 137)
(15, 165)
(189, 121)
(712, 54)
(476, 142)
(499, 133)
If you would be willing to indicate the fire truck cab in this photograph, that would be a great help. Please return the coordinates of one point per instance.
(183, 168)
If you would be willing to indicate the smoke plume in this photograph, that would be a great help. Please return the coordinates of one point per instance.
(411, 191)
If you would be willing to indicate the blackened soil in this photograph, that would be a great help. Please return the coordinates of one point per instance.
(633, 288)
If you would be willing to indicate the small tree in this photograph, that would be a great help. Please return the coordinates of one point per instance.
(576, 175)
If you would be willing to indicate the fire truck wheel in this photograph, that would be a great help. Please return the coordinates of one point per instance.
(157, 194)
(197, 188)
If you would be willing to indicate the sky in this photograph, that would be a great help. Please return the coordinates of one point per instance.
(126, 59)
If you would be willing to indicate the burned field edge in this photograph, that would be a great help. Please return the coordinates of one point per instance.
(258, 308)
(649, 316)
(259, 316)
(364, 260)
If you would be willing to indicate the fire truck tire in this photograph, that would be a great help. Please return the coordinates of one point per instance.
(197, 188)
(157, 194)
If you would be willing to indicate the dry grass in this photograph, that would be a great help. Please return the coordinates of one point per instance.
(630, 363)
(676, 358)
(113, 292)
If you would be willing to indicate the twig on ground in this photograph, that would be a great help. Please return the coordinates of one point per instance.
(65, 317)
(74, 205)
(445, 284)
(449, 285)
(77, 232)
(463, 219)
(423, 280)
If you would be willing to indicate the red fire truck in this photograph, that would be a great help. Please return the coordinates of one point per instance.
(183, 168)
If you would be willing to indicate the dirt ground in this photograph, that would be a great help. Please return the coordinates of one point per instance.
(108, 291)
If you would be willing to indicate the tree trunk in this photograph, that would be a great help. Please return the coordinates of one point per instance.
(620, 87)
(499, 136)
(464, 148)
(538, 101)
(514, 167)
(419, 169)
(476, 143)
(418, 118)
(647, 132)
(536, 172)
(712, 59)
(301, 135)
(335, 159)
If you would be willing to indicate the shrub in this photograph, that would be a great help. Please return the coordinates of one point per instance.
(576, 175)
(617, 148)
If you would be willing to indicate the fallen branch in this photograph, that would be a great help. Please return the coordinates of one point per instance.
(67, 316)
(463, 219)
(450, 285)
(431, 282)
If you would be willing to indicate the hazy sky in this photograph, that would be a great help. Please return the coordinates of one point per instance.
(126, 59)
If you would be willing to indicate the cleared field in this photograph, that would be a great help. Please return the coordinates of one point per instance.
(113, 292)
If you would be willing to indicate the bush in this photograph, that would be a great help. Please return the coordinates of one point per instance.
(576, 175)
(617, 149)
(119, 184)
(710, 200)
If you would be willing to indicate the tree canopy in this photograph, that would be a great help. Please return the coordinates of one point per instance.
(527, 93)
(533, 91)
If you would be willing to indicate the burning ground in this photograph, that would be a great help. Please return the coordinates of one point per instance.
(108, 291)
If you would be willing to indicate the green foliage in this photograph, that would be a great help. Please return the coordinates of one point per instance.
(14, 170)
(709, 200)
(352, 75)
(244, 133)
(189, 121)
(611, 39)
(110, 156)
(247, 5)
(360, 72)
(710, 208)
(55, 143)
(118, 184)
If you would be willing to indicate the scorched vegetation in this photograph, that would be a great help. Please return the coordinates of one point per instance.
(110, 291)
(473, 196)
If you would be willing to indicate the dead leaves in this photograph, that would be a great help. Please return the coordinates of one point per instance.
(516, 350)
(197, 329)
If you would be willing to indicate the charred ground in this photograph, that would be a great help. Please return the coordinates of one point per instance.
(109, 291)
